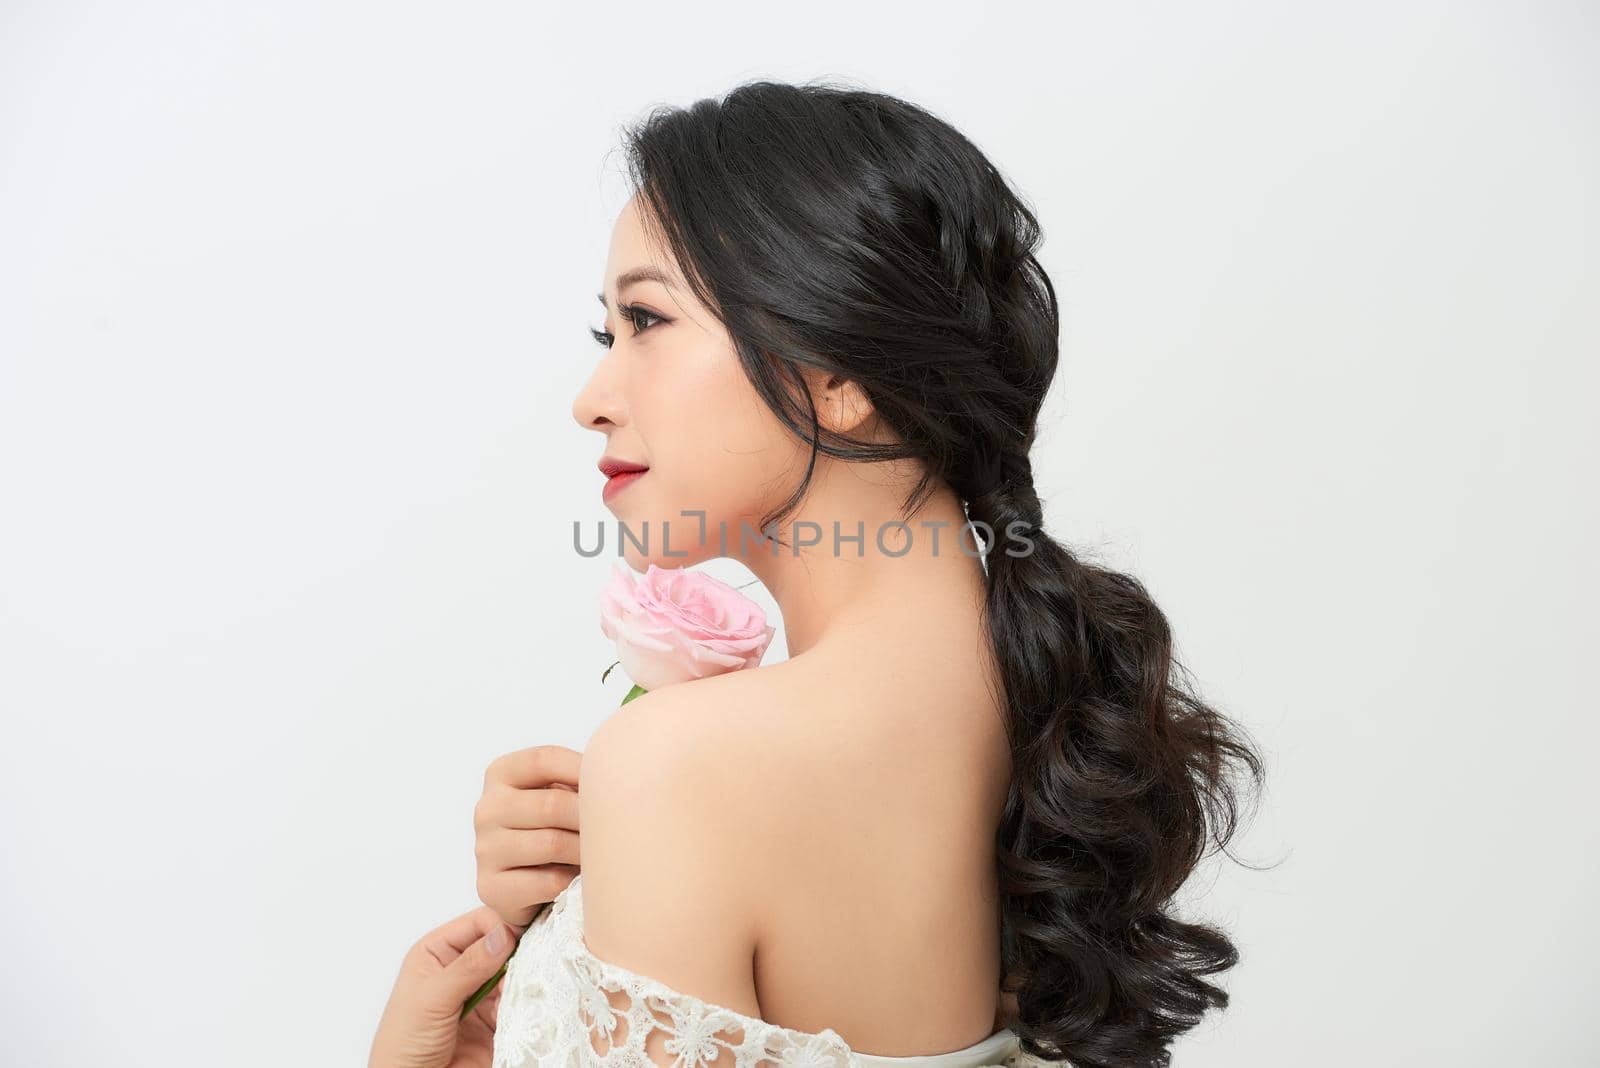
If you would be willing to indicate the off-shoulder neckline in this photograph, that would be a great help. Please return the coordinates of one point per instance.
(567, 910)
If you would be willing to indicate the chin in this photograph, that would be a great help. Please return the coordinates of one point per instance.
(693, 539)
(641, 562)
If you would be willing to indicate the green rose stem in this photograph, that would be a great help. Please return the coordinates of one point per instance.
(483, 991)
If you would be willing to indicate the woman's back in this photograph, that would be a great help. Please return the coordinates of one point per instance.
(885, 925)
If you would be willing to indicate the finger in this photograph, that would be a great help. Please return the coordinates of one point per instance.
(529, 809)
(525, 809)
(537, 766)
(501, 848)
(450, 940)
(517, 895)
(463, 976)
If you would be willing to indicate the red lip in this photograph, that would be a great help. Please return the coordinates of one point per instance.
(610, 466)
(619, 482)
(620, 474)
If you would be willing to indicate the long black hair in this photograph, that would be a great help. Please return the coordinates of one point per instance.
(849, 231)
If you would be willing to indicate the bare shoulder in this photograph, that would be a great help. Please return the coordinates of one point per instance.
(697, 747)
(717, 817)
(777, 763)
(709, 757)
(676, 814)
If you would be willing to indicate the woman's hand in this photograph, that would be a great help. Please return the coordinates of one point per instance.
(422, 1025)
(527, 830)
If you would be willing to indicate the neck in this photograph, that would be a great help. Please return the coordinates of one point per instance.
(841, 589)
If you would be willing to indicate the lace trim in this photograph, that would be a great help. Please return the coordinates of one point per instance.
(559, 1006)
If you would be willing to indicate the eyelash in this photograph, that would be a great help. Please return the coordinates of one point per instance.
(628, 312)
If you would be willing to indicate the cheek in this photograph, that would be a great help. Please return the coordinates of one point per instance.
(722, 450)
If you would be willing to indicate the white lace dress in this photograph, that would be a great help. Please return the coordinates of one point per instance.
(559, 1007)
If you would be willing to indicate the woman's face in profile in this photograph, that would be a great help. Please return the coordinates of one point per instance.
(669, 393)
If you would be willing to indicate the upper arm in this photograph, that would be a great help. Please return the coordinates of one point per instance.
(670, 868)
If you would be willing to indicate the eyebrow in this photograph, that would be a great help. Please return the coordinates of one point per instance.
(639, 274)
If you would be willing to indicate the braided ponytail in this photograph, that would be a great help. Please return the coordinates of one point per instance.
(1117, 772)
(1008, 506)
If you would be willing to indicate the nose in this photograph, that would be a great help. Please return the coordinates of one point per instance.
(600, 405)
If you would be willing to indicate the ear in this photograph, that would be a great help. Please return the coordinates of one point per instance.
(842, 405)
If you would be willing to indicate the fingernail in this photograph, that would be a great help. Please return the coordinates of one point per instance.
(497, 939)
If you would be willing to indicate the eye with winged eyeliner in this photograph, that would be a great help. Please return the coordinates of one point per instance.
(632, 313)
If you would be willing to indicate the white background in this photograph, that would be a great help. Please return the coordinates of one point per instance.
(293, 305)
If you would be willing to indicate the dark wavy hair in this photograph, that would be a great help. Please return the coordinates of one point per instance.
(855, 233)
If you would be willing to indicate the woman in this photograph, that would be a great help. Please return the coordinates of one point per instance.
(825, 321)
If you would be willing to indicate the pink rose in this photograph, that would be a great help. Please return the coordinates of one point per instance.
(672, 625)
